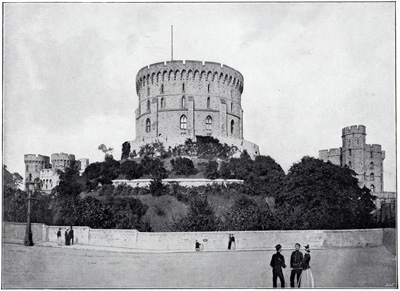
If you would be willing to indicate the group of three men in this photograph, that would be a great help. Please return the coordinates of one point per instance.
(278, 262)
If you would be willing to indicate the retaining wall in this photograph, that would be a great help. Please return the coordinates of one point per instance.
(212, 241)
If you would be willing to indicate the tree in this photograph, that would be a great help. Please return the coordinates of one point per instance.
(154, 168)
(319, 195)
(211, 170)
(107, 151)
(201, 217)
(126, 149)
(245, 214)
(183, 166)
(131, 170)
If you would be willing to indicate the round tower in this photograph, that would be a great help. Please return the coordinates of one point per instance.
(180, 100)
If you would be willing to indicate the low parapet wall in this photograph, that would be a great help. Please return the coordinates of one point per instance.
(188, 182)
(212, 241)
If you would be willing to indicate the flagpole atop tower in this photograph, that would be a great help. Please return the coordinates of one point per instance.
(172, 42)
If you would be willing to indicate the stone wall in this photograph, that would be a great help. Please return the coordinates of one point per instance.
(183, 182)
(212, 241)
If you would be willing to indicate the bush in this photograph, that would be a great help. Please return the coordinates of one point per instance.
(157, 188)
(211, 170)
(183, 166)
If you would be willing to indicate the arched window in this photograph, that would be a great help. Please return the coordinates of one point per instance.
(148, 125)
(349, 152)
(148, 91)
(148, 105)
(162, 88)
(350, 165)
(208, 102)
(371, 155)
(231, 106)
(208, 123)
(183, 103)
(162, 103)
(208, 88)
(232, 126)
(183, 87)
(372, 187)
(371, 166)
(371, 177)
(183, 122)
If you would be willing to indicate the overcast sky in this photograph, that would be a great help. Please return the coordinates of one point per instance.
(310, 69)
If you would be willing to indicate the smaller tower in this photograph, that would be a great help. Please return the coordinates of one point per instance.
(34, 164)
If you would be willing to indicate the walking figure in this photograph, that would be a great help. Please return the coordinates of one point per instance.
(59, 242)
(277, 263)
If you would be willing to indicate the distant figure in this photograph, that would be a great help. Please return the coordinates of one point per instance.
(296, 265)
(233, 245)
(197, 245)
(277, 263)
(307, 278)
(230, 241)
(71, 235)
(67, 237)
(59, 242)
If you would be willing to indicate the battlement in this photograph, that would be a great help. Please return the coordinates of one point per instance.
(31, 158)
(373, 147)
(329, 153)
(188, 71)
(356, 129)
(62, 157)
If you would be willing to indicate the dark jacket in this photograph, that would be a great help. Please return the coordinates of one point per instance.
(71, 233)
(277, 263)
(296, 259)
(306, 262)
(59, 233)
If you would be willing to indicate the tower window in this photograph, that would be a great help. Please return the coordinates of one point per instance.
(371, 166)
(148, 125)
(183, 87)
(232, 126)
(27, 167)
(371, 155)
(371, 177)
(372, 187)
(183, 122)
(231, 106)
(162, 103)
(162, 88)
(208, 102)
(148, 91)
(349, 152)
(148, 105)
(350, 165)
(208, 88)
(183, 102)
(208, 123)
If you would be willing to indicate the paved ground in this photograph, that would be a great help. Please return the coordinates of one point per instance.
(48, 267)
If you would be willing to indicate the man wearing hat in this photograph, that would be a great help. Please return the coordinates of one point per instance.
(296, 265)
(277, 263)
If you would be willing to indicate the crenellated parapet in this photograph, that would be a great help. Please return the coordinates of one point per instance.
(354, 129)
(207, 75)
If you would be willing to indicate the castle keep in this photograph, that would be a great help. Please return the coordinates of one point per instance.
(180, 100)
(365, 159)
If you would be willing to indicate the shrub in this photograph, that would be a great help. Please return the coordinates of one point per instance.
(183, 166)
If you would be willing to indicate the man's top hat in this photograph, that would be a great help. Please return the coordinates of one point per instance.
(278, 247)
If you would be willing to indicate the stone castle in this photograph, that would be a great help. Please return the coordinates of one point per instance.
(40, 169)
(365, 159)
(184, 99)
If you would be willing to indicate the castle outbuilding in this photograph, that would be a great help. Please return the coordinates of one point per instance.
(365, 159)
(184, 99)
(40, 168)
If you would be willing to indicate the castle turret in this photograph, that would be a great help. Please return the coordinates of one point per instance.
(353, 148)
(61, 161)
(34, 164)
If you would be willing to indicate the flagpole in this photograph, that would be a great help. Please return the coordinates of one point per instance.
(172, 42)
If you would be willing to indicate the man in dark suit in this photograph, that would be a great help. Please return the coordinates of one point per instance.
(277, 263)
(296, 265)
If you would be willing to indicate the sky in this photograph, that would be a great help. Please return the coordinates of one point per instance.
(309, 70)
